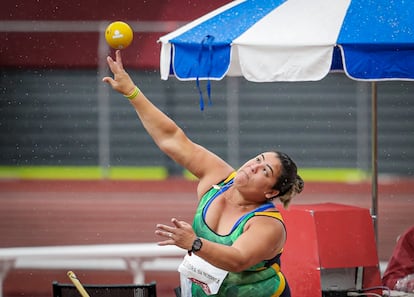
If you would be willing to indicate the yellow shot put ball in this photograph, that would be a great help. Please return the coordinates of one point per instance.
(119, 35)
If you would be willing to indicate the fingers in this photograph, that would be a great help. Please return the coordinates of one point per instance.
(117, 64)
(164, 227)
(163, 232)
(108, 80)
(115, 69)
(178, 231)
(181, 224)
(114, 66)
(176, 223)
(180, 234)
(118, 58)
(121, 81)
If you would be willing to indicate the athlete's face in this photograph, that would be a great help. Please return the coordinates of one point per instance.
(259, 174)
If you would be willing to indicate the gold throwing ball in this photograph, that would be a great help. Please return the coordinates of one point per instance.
(119, 35)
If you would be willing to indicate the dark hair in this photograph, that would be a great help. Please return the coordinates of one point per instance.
(289, 183)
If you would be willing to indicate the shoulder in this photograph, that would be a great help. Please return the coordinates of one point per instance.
(270, 221)
(216, 178)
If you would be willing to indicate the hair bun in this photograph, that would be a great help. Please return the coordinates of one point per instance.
(296, 188)
(298, 184)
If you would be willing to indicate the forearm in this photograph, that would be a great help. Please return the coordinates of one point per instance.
(225, 257)
(260, 240)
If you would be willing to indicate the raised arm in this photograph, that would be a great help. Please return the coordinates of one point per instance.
(170, 138)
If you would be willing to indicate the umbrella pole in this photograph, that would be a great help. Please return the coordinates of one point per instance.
(374, 158)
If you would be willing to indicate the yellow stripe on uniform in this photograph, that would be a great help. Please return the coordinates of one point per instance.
(232, 175)
(282, 283)
(274, 214)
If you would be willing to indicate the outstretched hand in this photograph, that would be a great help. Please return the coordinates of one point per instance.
(121, 82)
(180, 234)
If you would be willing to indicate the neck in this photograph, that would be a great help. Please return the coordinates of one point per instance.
(236, 199)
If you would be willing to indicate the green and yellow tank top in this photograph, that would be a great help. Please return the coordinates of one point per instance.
(261, 280)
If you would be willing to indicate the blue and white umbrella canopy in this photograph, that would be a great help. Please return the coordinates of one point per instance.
(295, 40)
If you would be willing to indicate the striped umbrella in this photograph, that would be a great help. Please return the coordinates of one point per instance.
(297, 40)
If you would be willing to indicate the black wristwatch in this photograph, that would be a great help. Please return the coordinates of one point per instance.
(197, 244)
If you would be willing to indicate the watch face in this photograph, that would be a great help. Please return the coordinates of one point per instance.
(197, 245)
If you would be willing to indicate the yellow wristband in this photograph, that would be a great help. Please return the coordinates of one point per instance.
(134, 93)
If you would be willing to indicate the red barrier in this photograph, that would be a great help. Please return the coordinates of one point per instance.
(330, 247)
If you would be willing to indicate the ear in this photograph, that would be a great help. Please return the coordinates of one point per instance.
(271, 194)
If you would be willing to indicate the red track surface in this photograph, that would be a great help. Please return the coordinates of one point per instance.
(42, 213)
